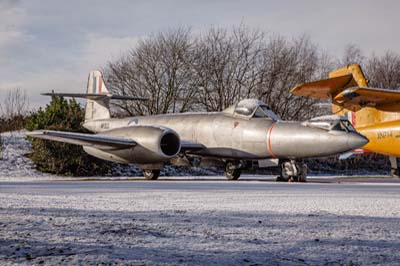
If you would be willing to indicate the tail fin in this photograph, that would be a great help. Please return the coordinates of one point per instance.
(348, 90)
(338, 81)
(97, 107)
(98, 97)
(357, 79)
(354, 71)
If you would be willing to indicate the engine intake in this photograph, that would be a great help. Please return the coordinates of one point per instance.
(170, 144)
(154, 145)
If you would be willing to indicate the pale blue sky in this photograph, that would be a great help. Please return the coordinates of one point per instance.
(52, 44)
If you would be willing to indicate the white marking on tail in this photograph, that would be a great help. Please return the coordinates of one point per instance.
(97, 109)
(96, 84)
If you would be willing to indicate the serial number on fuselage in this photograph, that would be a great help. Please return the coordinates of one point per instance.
(385, 135)
(105, 125)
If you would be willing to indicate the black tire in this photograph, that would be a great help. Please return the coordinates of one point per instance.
(231, 172)
(395, 173)
(302, 178)
(282, 179)
(150, 174)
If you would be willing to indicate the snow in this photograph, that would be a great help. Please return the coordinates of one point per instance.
(198, 223)
(191, 220)
(14, 163)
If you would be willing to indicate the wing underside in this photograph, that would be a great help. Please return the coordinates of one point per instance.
(357, 98)
(101, 141)
(324, 89)
(97, 141)
(189, 146)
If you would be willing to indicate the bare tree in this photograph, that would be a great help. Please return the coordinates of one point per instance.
(212, 71)
(15, 103)
(352, 55)
(286, 64)
(13, 110)
(226, 66)
(158, 69)
(384, 71)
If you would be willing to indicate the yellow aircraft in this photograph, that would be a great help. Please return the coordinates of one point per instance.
(375, 113)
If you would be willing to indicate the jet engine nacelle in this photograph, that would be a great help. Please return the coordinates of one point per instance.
(154, 145)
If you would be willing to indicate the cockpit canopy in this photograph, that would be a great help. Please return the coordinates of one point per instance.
(331, 122)
(252, 108)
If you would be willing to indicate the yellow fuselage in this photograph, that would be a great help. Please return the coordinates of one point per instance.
(381, 128)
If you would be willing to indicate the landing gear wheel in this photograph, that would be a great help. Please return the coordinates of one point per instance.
(292, 171)
(151, 174)
(302, 176)
(395, 173)
(232, 171)
(282, 179)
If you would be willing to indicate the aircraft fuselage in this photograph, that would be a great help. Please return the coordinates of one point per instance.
(230, 136)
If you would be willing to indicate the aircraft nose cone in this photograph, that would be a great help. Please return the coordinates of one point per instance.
(355, 141)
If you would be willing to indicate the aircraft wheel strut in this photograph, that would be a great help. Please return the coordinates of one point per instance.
(151, 174)
(292, 171)
(232, 171)
(395, 171)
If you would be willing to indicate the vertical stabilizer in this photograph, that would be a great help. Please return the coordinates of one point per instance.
(97, 108)
(358, 118)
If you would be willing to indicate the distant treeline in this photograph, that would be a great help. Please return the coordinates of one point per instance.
(13, 110)
(180, 71)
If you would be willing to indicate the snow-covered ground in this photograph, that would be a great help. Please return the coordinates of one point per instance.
(13, 163)
(45, 219)
(198, 223)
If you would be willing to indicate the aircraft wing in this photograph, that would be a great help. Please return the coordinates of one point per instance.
(324, 89)
(357, 98)
(98, 141)
(191, 146)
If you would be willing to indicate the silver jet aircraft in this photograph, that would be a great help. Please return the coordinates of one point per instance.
(243, 134)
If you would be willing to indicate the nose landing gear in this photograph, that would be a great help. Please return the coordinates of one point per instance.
(292, 171)
(395, 170)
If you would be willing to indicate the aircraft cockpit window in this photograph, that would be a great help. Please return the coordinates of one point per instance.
(241, 110)
(349, 126)
(344, 125)
(254, 108)
(321, 124)
(336, 123)
(259, 113)
(264, 111)
(269, 112)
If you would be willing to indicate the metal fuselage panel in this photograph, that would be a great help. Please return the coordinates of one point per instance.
(222, 135)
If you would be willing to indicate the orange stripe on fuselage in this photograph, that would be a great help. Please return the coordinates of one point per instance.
(269, 140)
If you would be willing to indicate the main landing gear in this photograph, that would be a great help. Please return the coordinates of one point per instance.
(395, 171)
(151, 171)
(151, 174)
(292, 171)
(233, 170)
